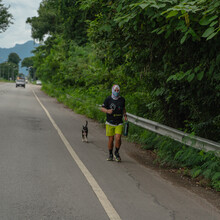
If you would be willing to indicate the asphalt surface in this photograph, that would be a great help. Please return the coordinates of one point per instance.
(47, 172)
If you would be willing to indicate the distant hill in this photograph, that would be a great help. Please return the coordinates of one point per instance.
(23, 51)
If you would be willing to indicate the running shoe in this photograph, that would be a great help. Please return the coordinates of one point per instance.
(117, 157)
(110, 158)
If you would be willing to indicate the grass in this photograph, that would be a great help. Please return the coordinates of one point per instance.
(5, 80)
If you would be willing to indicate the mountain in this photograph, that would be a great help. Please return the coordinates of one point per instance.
(23, 51)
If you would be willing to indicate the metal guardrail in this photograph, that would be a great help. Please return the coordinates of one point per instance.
(180, 136)
(184, 138)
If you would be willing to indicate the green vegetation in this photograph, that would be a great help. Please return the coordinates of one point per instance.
(165, 55)
(205, 167)
(14, 58)
(4, 80)
(9, 69)
(190, 162)
(28, 63)
(5, 17)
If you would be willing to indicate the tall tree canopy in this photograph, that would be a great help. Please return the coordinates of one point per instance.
(60, 17)
(166, 53)
(28, 62)
(5, 17)
(14, 58)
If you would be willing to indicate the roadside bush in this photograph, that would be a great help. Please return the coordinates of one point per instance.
(193, 162)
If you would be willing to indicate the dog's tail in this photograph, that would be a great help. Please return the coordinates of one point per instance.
(86, 123)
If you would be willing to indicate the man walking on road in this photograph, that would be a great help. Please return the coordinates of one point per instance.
(114, 107)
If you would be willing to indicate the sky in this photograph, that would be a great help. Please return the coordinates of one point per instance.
(19, 32)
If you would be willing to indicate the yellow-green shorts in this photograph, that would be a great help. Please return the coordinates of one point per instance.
(112, 130)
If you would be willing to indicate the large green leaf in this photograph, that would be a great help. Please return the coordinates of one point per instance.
(171, 14)
(200, 75)
(119, 8)
(190, 77)
(204, 21)
(144, 5)
(208, 32)
(212, 35)
(213, 23)
(172, 77)
(213, 18)
(184, 38)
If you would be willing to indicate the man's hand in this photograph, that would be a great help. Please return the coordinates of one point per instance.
(109, 111)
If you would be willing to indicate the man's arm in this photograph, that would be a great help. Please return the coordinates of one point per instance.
(107, 111)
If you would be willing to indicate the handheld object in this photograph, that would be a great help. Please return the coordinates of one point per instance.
(126, 127)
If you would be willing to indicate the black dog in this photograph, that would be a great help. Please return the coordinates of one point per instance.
(85, 132)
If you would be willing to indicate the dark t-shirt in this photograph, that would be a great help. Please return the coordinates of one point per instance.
(117, 106)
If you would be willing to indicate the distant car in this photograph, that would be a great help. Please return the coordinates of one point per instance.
(38, 82)
(20, 82)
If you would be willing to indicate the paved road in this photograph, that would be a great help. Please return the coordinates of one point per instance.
(46, 172)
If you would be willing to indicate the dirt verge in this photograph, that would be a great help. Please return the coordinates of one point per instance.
(176, 176)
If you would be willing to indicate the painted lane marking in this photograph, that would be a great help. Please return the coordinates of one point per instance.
(106, 204)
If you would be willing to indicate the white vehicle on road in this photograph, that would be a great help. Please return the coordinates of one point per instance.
(38, 82)
(20, 82)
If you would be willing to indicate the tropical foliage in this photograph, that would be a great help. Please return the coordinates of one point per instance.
(5, 17)
(9, 69)
(14, 58)
(28, 62)
(165, 55)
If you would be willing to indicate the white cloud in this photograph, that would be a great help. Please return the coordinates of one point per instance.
(19, 32)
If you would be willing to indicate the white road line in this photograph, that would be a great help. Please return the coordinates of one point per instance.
(106, 204)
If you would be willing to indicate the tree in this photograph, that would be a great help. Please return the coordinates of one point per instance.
(5, 17)
(14, 58)
(47, 21)
(60, 17)
(166, 53)
(171, 50)
(8, 70)
(28, 62)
